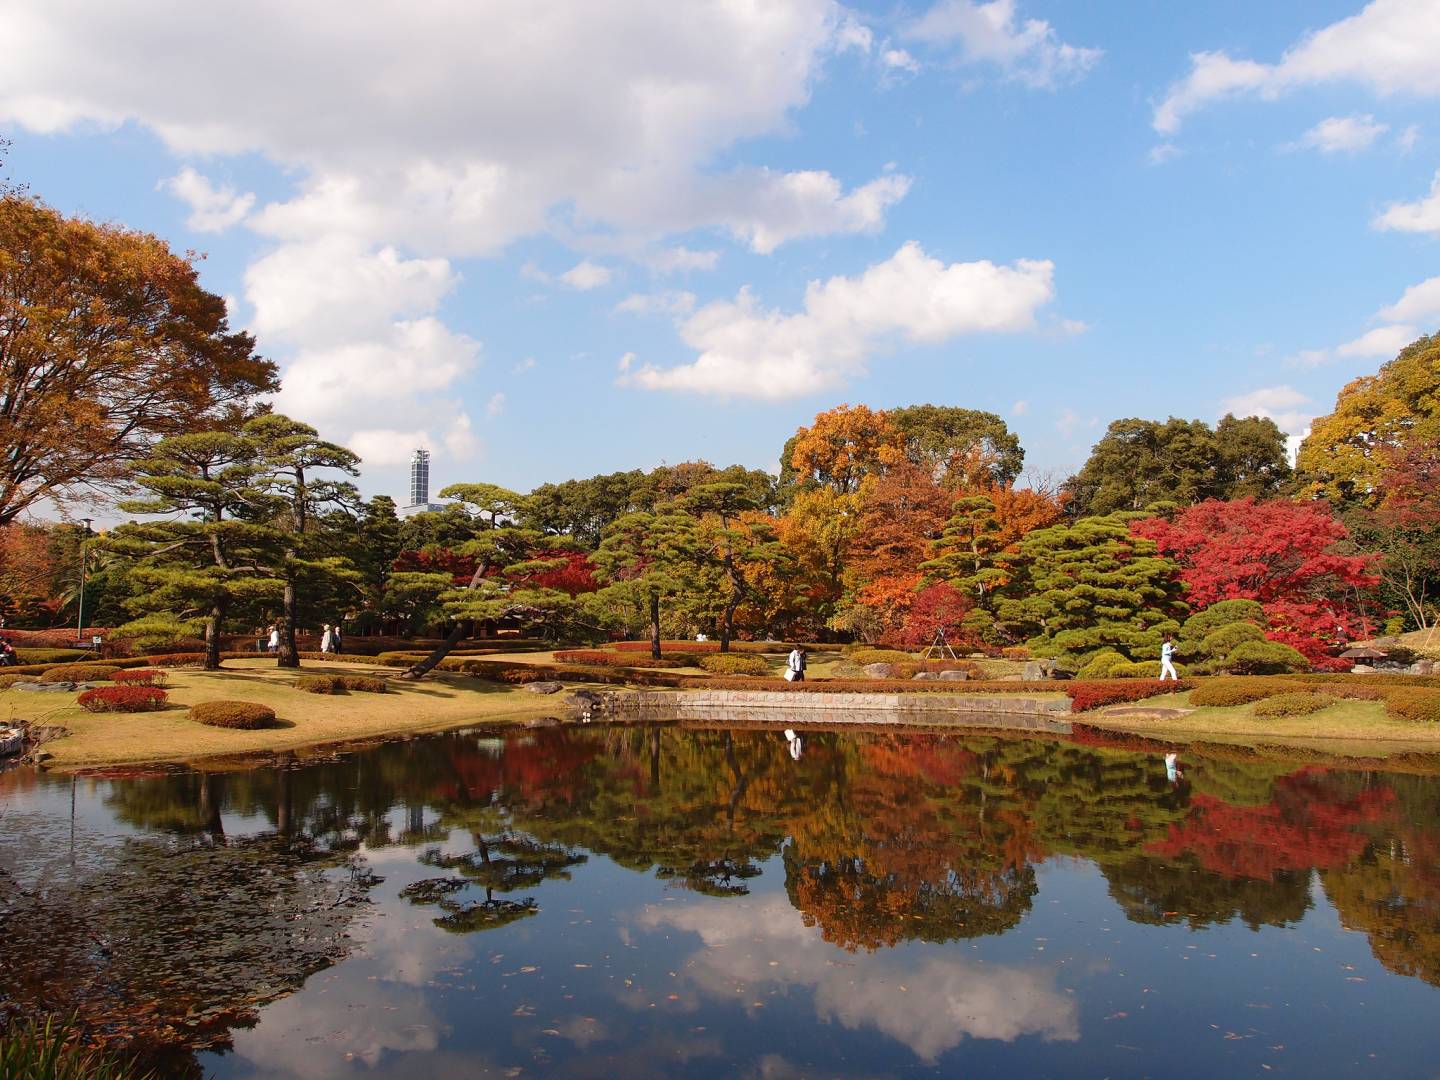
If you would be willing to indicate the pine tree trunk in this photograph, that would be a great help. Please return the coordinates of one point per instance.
(289, 656)
(655, 625)
(458, 633)
(212, 636)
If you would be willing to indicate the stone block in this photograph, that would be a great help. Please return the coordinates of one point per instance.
(879, 671)
(954, 676)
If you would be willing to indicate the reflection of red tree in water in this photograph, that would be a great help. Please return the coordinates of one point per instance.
(929, 758)
(548, 767)
(1306, 824)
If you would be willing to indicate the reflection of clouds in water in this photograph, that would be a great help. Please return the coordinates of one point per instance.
(944, 1001)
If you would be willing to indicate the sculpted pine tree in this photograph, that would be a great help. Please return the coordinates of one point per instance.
(730, 535)
(107, 344)
(290, 461)
(199, 565)
(642, 558)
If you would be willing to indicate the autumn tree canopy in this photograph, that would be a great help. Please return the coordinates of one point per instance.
(107, 344)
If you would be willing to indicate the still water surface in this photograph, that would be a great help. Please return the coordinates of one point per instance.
(647, 902)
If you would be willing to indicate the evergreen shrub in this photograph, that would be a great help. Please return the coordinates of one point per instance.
(1101, 664)
(364, 684)
(122, 699)
(1141, 669)
(244, 715)
(320, 684)
(1266, 658)
(1298, 704)
(606, 658)
(1224, 613)
(79, 673)
(48, 656)
(731, 664)
(869, 655)
(1224, 693)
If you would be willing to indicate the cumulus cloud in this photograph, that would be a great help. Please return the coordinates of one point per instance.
(1420, 216)
(667, 302)
(1389, 47)
(1417, 304)
(1029, 51)
(678, 259)
(586, 275)
(899, 60)
(1384, 341)
(749, 351)
(212, 208)
(949, 1000)
(496, 405)
(1343, 134)
(1291, 410)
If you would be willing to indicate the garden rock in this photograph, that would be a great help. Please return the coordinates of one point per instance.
(925, 675)
(1038, 670)
(585, 697)
(879, 671)
(544, 687)
(954, 676)
(46, 688)
(12, 741)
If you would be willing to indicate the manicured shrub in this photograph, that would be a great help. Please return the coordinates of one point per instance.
(714, 646)
(606, 658)
(9, 680)
(1422, 706)
(731, 664)
(1140, 669)
(245, 715)
(910, 668)
(521, 675)
(48, 656)
(1265, 658)
(1220, 643)
(1085, 696)
(79, 673)
(1299, 704)
(869, 655)
(122, 699)
(140, 677)
(1224, 613)
(320, 684)
(364, 684)
(1101, 664)
(1224, 693)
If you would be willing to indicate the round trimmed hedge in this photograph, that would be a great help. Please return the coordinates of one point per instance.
(122, 699)
(244, 715)
(1299, 704)
(733, 664)
(78, 673)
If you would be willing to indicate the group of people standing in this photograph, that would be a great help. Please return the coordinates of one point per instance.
(267, 639)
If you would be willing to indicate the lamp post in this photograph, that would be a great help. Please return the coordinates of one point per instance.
(80, 607)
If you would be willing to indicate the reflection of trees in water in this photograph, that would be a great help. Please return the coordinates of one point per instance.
(499, 864)
(1158, 891)
(175, 943)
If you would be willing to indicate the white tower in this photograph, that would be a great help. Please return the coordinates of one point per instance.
(419, 485)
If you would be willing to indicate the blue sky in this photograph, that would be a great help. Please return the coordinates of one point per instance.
(555, 239)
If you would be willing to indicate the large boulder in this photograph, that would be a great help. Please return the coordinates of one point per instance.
(1038, 670)
(544, 687)
(880, 671)
(925, 675)
(954, 676)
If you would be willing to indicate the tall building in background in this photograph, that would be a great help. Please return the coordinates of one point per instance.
(419, 485)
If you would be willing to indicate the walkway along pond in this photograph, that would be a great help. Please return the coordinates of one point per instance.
(643, 900)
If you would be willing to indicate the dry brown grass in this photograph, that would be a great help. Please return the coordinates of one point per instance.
(437, 703)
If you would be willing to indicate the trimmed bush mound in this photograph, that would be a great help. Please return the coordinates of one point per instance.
(1101, 665)
(1301, 704)
(1223, 693)
(714, 646)
(1140, 669)
(79, 673)
(1422, 706)
(1085, 696)
(1266, 658)
(364, 684)
(9, 680)
(48, 656)
(245, 715)
(337, 658)
(606, 658)
(732, 664)
(867, 655)
(320, 684)
(146, 676)
(122, 699)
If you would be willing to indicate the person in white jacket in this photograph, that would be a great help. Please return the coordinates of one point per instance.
(795, 665)
(1167, 665)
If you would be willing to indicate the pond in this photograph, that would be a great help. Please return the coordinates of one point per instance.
(699, 901)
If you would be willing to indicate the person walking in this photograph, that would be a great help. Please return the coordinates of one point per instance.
(337, 641)
(327, 640)
(1167, 655)
(273, 642)
(795, 665)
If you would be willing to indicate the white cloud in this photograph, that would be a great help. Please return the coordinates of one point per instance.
(766, 944)
(496, 405)
(1343, 134)
(1020, 408)
(1163, 152)
(623, 364)
(586, 275)
(1420, 216)
(1385, 341)
(990, 33)
(212, 209)
(899, 60)
(1417, 304)
(746, 350)
(528, 364)
(668, 302)
(1291, 410)
(335, 289)
(1067, 421)
(1407, 139)
(854, 35)
(1389, 47)
(676, 259)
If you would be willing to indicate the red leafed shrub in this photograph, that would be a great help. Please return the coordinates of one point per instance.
(605, 658)
(1085, 696)
(1405, 703)
(122, 699)
(139, 677)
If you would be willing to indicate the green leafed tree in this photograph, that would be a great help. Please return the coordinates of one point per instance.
(642, 559)
(731, 537)
(1077, 588)
(209, 553)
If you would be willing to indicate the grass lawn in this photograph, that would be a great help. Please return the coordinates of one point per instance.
(1361, 726)
(439, 702)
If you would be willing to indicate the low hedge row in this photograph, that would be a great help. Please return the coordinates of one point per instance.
(48, 656)
(1406, 697)
(139, 677)
(78, 673)
(122, 699)
(1298, 704)
(714, 646)
(606, 658)
(1420, 705)
(341, 684)
(735, 664)
(1087, 695)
